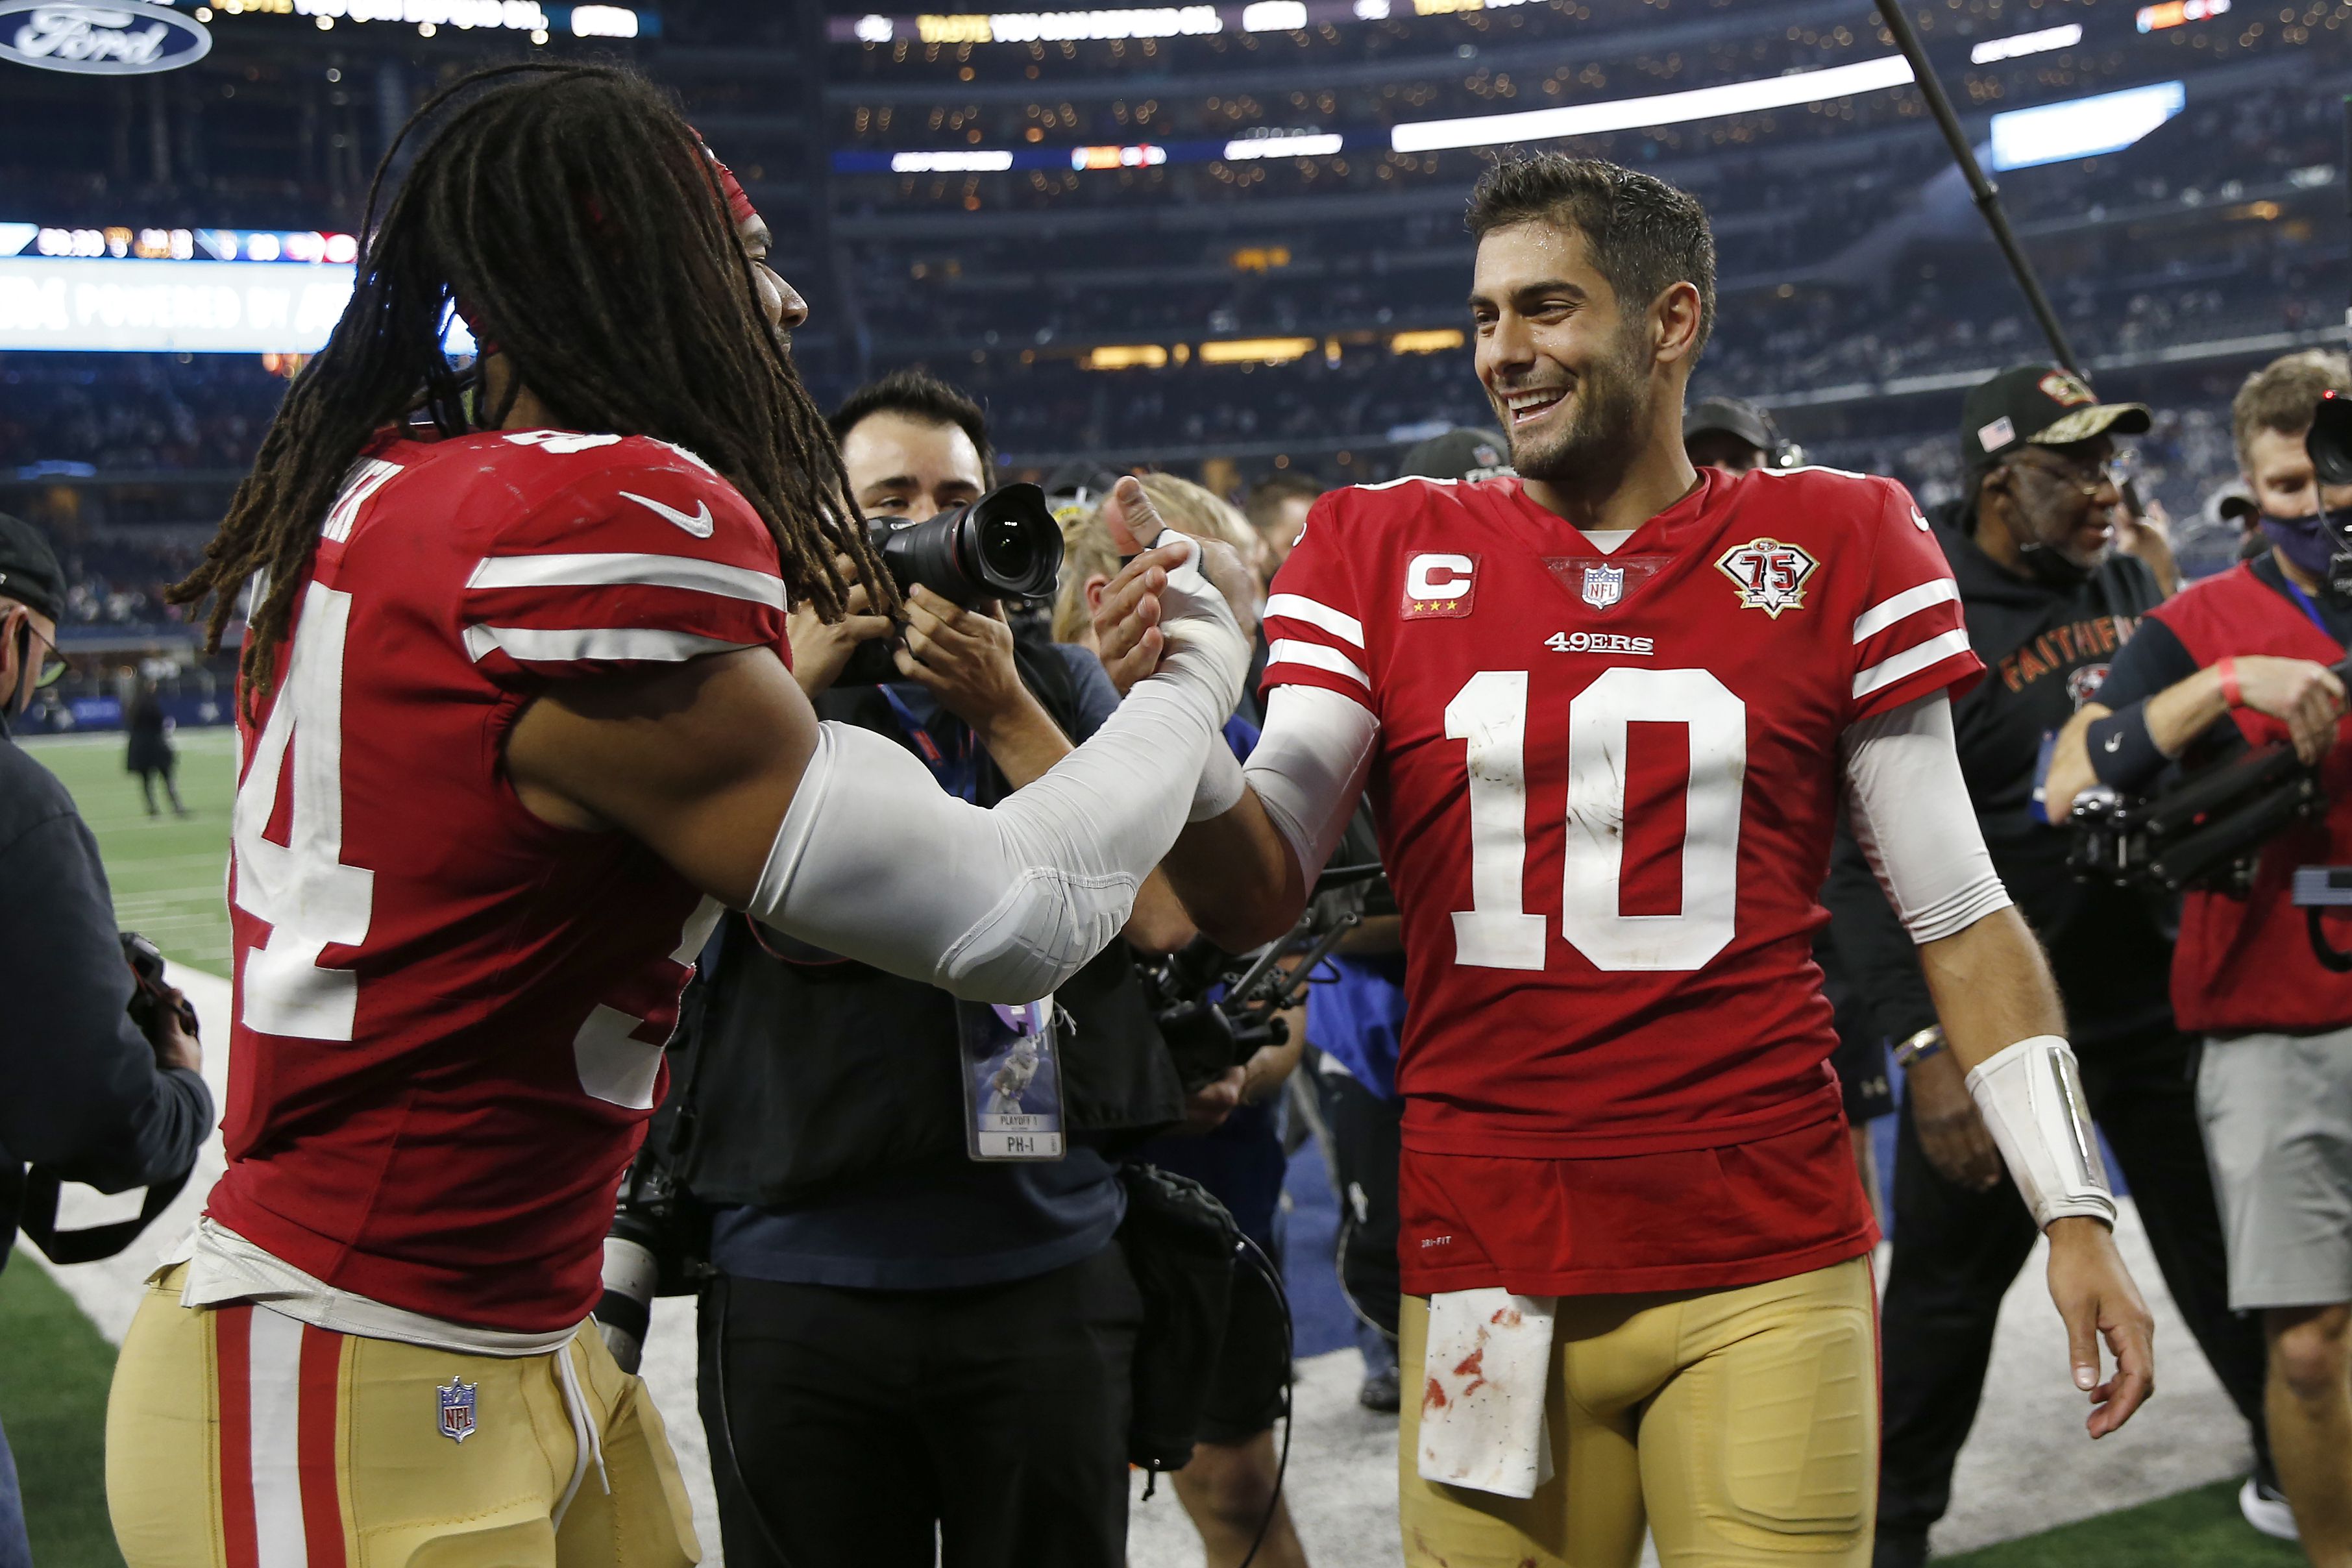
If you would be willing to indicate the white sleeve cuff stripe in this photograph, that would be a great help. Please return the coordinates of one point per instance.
(535, 645)
(1314, 655)
(1298, 608)
(1910, 661)
(620, 570)
(1908, 603)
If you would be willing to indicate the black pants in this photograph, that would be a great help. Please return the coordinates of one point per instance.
(1955, 1252)
(1366, 1133)
(862, 1420)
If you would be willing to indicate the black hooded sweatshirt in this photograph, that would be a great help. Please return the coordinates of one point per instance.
(2046, 649)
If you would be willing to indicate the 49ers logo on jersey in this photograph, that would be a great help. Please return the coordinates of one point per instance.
(1770, 575)
(1439, 585)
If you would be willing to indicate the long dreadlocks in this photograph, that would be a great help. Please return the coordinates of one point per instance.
(578, 218)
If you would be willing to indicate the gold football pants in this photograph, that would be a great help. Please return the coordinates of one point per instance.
(237, 1437)
(1741, 1426)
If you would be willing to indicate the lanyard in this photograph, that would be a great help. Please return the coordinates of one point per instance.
(958, 772)
(2309, 608)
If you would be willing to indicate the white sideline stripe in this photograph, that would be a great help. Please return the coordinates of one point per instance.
(1910, 661)
(274, 1386)
(538, 645)
(1314, 613)
(1314, 655)
(1910, 602)
(624, 570)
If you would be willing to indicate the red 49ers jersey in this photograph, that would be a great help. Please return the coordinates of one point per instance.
(1606, 786)
(450, 1013)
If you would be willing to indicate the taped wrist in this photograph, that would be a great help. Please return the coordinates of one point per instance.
(2031, 1097)
(2124, 754)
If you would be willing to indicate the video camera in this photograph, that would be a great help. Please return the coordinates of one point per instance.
(1216, 1009)
(2208, 828)
(1005, 545)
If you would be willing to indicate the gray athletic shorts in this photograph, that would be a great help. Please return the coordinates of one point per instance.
(2277, 1110)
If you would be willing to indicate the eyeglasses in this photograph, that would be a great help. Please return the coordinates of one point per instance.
(52, 668)
(2086, 479)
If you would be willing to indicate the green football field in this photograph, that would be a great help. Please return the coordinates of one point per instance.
(166, 873)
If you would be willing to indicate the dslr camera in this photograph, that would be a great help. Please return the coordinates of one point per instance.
(1005, 545)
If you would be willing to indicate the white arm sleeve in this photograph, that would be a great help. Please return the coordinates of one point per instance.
(1910, 812)
(1310, 768)
(875, 862)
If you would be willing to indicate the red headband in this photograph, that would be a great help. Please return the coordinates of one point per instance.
(739, 206)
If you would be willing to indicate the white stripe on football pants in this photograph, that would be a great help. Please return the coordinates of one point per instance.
(275, 1402)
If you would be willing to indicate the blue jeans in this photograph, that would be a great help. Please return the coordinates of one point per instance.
(15, 1551)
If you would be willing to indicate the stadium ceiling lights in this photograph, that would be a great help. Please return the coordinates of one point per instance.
(1992, 51)
(2085, 128)
(1138, 22)
(503, 16)
(1659, 109)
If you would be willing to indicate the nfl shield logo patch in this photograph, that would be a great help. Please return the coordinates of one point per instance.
(457, 1409)
(1603, 585)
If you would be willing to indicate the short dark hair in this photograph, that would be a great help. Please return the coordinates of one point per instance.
(918, 394)
(1644, 235)
(1267, 496)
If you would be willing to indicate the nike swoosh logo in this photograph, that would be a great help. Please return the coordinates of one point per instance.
(2114, 742)
(699, 525)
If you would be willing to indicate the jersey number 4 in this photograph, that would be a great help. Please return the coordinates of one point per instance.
(301, 887)
(1490, 712)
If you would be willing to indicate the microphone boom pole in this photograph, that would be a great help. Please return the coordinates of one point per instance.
(1988, 196)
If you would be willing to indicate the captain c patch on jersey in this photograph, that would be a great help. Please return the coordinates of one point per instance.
(1770, 575)
(1439, 585)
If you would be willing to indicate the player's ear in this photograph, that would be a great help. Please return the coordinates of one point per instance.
(1674, 317)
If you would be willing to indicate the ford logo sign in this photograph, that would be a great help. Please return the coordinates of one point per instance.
(121, 38)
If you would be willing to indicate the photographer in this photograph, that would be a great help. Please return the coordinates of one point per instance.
(82, 1094)
(2243, 660)
(1231, 1144)
(907, 1340)
(2048, 599)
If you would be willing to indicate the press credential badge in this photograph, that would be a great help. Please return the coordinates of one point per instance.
(1012, 1059)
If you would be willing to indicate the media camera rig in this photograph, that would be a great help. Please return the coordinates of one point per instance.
(1216, 1009)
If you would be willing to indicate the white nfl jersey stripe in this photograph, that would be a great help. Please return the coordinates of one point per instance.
(1314, 655)
(275, 1390)
(1314, 613)
(367, 477)
(618, 570)
(1910, 602)
(1910, 661)
(564, 645)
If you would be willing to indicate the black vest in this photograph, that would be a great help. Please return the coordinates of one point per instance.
(815, 1074)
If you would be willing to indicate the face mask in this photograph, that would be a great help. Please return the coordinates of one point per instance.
(2307, 542)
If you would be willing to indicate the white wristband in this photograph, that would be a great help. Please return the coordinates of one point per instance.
(1222, 784)
(2031, 1097)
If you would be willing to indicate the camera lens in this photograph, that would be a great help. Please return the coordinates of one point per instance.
(1008, 538)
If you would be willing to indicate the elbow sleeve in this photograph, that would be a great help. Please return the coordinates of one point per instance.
(875, 862)
(1908, 806)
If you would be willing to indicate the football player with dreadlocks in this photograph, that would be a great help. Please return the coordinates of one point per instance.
(517, 722)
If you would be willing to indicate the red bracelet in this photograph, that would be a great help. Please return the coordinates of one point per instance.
(2228, 670)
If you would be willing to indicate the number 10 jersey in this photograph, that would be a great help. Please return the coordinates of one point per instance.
(1606, 785)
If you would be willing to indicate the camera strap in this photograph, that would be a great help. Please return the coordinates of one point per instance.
(958, 771)
(39, 1220)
